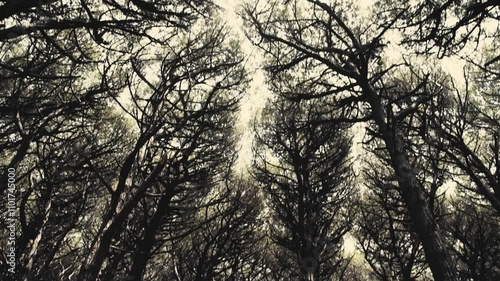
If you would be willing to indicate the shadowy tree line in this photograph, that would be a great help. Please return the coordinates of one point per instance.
(119, 118)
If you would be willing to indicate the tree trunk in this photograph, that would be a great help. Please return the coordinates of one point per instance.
(143, 251)
(430, 234)
(38, 238)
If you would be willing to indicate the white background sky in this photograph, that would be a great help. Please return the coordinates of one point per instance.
(254, 99)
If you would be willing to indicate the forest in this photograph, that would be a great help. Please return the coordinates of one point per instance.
(375, 155)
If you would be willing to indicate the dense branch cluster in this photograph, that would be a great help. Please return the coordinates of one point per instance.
(119, 119)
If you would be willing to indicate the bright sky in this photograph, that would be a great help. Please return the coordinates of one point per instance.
(254, 99)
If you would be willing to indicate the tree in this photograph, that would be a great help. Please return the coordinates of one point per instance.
(387, 232)
(302, 165)
(467, 130)
(185, 126)
(55, 133)
(475, 228)
(100, 21)
(342, 56)
(225, 244)
(445, 25)
(119, 117)
(384, 233)
(59, 192)
(66, 39)
(60, 90)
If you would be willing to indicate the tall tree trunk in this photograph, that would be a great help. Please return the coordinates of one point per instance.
(143, 251)
(432, 238)
(38, 238)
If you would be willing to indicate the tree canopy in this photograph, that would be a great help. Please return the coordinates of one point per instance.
(372, 159)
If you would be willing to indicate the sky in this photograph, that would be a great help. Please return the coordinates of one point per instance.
(254, 99)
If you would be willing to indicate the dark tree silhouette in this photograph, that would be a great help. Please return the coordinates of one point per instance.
(59, 190)
(184, 123)
(445, 26)
(45, 81)
(303, 167)
(384, 233)
(476, 229)
(76, 158)
(341, 54)
(469, 133)
(101, 21)
(119, 119)
(225, 245)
